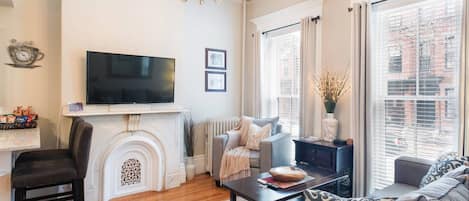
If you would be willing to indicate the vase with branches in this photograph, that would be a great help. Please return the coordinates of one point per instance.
(331, 87)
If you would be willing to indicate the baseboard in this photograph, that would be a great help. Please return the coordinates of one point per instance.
(199, 163)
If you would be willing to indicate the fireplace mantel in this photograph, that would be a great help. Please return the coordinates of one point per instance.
(149, 137)
(123, 110)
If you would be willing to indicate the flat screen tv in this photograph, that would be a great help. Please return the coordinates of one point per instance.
(125, 79)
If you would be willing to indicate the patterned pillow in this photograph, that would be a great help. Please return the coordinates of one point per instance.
(256, 135)
(318, 195)
(438, 169)
(447, 156)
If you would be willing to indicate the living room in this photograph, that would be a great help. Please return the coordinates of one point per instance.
(233, 100)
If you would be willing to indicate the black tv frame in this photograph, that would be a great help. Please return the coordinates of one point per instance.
(88, 102)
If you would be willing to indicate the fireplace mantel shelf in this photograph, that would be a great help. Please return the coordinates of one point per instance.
(87, 113)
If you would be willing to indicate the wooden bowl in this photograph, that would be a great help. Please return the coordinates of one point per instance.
(287, 174)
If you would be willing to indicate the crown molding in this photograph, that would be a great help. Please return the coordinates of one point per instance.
(289, 15)
(217, 1)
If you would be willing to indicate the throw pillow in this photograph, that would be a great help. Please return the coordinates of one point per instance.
(243, 128)
(447, 156)
(438, 169)
(464, 179)
(445, 188)
(264, 121)
(461, 170)
(256, 135)
(318, 195)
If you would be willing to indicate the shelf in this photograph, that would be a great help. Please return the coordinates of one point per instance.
(108, 112)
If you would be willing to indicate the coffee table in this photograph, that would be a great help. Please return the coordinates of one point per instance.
(249, 189)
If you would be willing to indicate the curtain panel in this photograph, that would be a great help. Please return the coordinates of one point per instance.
(309, 119)
(464, 89)
(359, 90)
(256, 98)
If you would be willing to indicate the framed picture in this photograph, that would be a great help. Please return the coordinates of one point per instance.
(215, 81)
(215, 59)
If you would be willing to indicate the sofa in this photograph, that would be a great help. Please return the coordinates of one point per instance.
(446, 179)
(408, 172)
(274, 151)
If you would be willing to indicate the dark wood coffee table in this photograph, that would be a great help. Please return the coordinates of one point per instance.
(249, 189)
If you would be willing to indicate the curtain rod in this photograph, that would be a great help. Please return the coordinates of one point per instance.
(372, 3)
(286, 26)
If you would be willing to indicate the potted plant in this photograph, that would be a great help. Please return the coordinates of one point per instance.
(330, 87)
(189, 143)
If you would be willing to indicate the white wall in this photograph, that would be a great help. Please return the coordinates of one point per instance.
(37, 21)
(336, 54)
(163, 28)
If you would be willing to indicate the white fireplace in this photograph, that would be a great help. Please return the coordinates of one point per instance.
(133, 152)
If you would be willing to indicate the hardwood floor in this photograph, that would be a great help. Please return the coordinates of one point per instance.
(200, 188)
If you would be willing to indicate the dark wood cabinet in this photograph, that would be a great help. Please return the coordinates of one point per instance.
(328, 156)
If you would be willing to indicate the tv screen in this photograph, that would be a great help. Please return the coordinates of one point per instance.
(123, 79)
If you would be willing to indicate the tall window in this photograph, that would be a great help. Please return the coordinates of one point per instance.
(280, 77)
(414, 82)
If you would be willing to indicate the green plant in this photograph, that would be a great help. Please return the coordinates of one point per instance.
(188, 134)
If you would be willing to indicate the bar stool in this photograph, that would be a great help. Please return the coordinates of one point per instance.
(52, 154)
(41, 169)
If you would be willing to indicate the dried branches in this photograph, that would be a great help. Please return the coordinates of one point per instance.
(331, 86)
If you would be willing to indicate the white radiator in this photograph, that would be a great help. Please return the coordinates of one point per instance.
(216, 127)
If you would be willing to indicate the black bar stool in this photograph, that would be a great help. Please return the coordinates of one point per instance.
(47, 168)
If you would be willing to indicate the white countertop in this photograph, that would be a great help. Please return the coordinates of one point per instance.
(20, 139)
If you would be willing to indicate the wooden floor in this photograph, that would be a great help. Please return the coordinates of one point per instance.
(201, 188)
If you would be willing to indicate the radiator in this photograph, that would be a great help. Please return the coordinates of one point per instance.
(216, 127)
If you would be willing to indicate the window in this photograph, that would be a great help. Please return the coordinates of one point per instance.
(450, 53)
(414, 106)
(450, 108)
(280, 77)
(425, 57)
(395, 59)
(426, 114)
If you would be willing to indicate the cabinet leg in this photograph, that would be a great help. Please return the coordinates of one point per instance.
(232, 196)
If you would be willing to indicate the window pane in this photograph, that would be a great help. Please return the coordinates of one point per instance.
(414, 82)
(280, 78)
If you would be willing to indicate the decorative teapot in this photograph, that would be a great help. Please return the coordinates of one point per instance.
(23, 53)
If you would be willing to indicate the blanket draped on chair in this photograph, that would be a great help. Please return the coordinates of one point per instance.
(235, 161)
(235, 164)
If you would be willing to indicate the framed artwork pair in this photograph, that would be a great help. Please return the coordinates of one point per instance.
(215, 75)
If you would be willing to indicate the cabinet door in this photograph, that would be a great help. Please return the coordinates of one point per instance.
(325, 158)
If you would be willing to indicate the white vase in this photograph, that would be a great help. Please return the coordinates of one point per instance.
(329, 127)
(190, 168)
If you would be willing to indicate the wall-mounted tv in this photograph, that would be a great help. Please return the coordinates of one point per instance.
(123, 79)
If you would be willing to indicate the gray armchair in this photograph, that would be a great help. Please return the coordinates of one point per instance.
(274, 151)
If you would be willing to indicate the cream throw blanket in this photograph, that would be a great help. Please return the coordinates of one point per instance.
(235, 160)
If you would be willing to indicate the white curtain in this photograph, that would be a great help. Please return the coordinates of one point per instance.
(464, 145)
(308, 69)
(359, 69)
(256, 102)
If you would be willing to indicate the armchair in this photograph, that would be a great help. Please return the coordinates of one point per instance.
(274, 151)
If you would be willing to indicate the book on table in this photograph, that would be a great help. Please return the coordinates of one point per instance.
(269, 181)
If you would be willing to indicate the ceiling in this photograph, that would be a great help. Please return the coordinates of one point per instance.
(6, 3)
